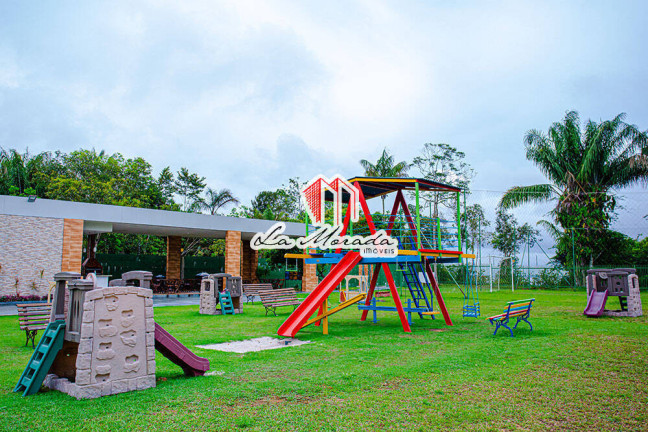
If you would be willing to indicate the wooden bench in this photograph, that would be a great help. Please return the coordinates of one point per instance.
(273, 299)
(251, 290)
(33, 317)
(519, 309)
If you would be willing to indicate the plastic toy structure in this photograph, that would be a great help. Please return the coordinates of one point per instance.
(102, 341)
(604, 283)
(222, 290)
(422, 242)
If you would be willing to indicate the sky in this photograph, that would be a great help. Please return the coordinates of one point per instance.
(252, 93)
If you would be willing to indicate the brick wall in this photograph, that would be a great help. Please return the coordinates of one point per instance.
(249, 263)
(233, 253)
(30, 251)
(72, 248)
(309, 277)
(174, 257)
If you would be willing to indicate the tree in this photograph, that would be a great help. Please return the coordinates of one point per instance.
(584, 168)
(24, 174)
(189, 186)
(385, 167)
(509, 235)
(272, 205)
(293, 191)
(166, 186)
(443, 163)
(214, 200)
(473, 220)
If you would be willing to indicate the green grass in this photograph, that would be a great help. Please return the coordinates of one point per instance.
(570, 373)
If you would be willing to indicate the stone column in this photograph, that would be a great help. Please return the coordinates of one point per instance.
(72, 245)
(173, 257)
(309, 277)
(233, 253)
(250, 263)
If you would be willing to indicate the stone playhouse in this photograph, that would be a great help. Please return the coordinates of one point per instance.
(102, 341)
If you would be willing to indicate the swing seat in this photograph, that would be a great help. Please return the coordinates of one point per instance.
(430, 313)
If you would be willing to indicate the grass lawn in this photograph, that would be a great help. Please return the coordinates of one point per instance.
(570, 373)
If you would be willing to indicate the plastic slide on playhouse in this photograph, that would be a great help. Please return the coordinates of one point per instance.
(307, 308)
(596, 303)
(169, 347)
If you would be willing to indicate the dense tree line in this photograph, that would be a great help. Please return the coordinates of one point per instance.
(583, 167)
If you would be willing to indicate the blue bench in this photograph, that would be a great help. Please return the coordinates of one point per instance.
(519, 309)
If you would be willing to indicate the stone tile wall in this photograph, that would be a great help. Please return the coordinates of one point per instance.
(30, 254)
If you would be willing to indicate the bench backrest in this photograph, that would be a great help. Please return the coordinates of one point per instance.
(34, 316)
(519, 307)
(278, 295)
(259, 286)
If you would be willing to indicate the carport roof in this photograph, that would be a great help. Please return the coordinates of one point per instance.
(101, 218)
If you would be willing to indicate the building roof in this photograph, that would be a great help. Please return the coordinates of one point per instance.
(376, 186)
(101, 218)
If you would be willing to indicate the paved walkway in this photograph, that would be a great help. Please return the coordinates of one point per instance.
(158, 301)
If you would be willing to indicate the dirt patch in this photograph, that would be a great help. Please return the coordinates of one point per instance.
(256, 344)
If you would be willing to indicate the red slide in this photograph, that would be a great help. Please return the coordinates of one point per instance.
(596, 303)
(437, 293)
(298, 318)
(169, 347)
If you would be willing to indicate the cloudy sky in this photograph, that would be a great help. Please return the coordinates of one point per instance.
(250, 93)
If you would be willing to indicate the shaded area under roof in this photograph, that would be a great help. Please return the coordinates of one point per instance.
(373, 187)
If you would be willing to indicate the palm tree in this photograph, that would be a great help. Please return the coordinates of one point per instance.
(385, 167)
(583, 167)
(214, 200)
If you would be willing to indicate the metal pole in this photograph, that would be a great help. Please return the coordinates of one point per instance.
(459, 223)
(529, 257)
(573, 257)
(418, 217)
(490, 270)
(512, 275)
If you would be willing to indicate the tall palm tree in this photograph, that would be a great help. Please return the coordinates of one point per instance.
(385, 167)
(215, 200)
(582, 168)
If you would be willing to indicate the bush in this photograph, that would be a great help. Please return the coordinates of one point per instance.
(19, 298)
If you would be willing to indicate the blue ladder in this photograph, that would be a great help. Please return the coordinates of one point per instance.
(416, 288)
(225, 300)
(40, 362)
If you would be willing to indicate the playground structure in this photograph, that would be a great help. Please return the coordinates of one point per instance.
(362, 278)
(222, 290)
(604, 283)
(422, 242)
(102, 341)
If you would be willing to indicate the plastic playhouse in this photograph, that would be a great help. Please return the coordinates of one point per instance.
(422, 242)
(102, 341)
(220, 294)
(622, 283)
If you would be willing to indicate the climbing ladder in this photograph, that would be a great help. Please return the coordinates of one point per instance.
(225, 300)
(421, 298)
(49, 345)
